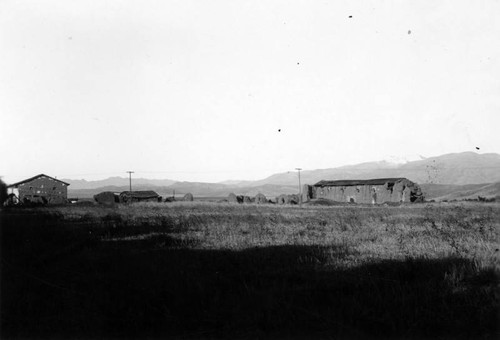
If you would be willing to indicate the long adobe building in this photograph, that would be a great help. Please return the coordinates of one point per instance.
(370, 191)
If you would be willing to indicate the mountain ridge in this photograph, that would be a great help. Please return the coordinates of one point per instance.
(77, 184)
(454, 169)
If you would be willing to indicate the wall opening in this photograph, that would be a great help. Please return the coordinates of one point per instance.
(390, 186)
(413, 197)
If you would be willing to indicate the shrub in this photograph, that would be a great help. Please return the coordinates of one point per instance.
(3, 192)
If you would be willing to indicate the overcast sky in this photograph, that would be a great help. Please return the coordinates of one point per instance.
(214, 90)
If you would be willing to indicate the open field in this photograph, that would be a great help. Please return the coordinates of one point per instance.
(207, 270)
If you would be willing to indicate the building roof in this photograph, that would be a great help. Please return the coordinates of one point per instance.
(353, 182)
(140, 194)
(33, 178)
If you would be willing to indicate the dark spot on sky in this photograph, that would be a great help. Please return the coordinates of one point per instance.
(298, 63)
(279, 130)
(409, 32)
(477, 148)
(350, 16)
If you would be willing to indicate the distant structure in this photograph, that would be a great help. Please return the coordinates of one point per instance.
(40, 189)
(107, 197)
(188, 197)
(243, 199)
(371, 191)
(288, 199)
(139, 196)
(260, 199)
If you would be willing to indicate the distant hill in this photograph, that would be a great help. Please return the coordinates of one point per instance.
(458, 169)
(441, 192)
(237, 183)
(461, 174)
(77, 184)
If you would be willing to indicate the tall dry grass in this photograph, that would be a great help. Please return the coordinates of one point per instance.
(221, 270)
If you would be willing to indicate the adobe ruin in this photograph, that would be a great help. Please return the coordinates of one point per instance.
(372, 191)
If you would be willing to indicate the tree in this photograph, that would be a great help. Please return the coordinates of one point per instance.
(3, 192)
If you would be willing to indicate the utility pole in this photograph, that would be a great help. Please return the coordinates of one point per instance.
(130, 180)
(300, 188)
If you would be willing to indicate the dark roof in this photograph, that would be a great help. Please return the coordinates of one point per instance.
(352, 182)
(33, 178)
(140, 194)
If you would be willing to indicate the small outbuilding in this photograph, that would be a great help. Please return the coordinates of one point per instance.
(40, 189)
(107, 197)
(188, 197)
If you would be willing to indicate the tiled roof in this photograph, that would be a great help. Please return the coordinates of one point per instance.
(353, 182)
(33, 178)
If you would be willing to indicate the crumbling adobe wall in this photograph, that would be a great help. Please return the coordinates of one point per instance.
(405, 191)
(288, 199)
(307, 192)
(400, 191)
(260, 199)
(367, 194)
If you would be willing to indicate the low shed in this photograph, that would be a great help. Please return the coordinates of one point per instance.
(107, 197)
(139, 196)
(371, 191)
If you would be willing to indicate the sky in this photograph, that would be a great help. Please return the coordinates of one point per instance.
(226, 89)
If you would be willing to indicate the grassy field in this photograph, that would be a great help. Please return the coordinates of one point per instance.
(207, 270)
